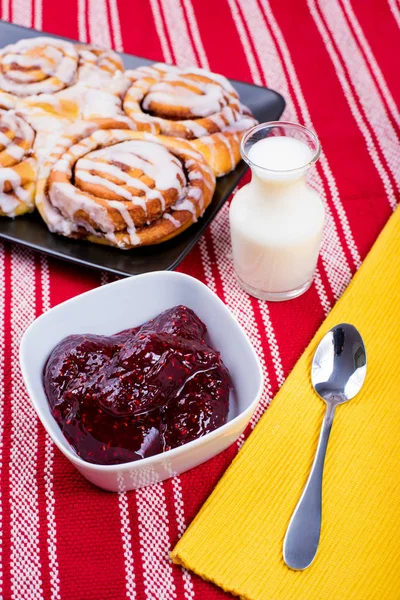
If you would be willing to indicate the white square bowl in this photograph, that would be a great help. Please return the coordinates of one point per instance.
(128, 303)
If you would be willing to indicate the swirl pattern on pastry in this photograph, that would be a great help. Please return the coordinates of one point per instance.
(123, 188)
(37, 65)
(18, 167)
(192, 104)
(7, 102)
(97, 62)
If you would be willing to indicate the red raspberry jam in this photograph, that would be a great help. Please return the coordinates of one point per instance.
(139, 392)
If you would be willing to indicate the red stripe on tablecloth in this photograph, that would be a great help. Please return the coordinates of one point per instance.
(61, 18)
(221, 28)
(6, 441)
(376, 73)
(41, 460)
(3, 366)
(382, 33)
(372, 136)
(192, 264)
(143, 40)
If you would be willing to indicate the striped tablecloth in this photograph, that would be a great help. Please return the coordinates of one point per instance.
(337, 64)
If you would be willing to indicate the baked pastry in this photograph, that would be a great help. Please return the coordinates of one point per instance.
(193, 104)
(37, 66)
(69, 81)
(18, 167)
(123, 188)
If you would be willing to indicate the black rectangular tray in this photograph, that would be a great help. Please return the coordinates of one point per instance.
(30, 230)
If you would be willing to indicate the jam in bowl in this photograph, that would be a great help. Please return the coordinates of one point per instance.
(108, 309)
(139, 392)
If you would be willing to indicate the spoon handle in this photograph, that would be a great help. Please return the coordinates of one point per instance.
(302, 536)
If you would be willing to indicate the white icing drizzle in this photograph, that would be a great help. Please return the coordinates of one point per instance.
(197, 195)
(173, 70)
(174, 221)
(4, 139)
(8, 174)
(8, 204)
(197, 130)
(17, 152)
(186, 204)
(69, 200)
(130, 226)
(199, 105)
(228, 146)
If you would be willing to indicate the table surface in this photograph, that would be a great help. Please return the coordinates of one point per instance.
(336, 63)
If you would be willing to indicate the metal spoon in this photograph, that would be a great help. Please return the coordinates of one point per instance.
(338, 373)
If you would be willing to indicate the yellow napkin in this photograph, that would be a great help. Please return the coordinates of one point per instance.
(236, 539)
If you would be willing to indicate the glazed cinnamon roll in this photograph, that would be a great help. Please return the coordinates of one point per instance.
(38, 65)
(97, 64)
(68, 81)
(18, 167)
(123, 188)
(191, 104)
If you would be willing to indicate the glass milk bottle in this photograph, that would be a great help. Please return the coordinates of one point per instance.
(277, 219)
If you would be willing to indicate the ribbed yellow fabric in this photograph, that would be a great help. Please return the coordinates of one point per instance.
(236, 539)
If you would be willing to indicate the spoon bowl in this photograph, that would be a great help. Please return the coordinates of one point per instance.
(338, 373)
(339, 365)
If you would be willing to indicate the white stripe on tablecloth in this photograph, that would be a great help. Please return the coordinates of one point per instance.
(371, 62)
(394, 7)
(374, 112)
(48, 464)
(99, 30)
(82, 25)
(360, 69)
(5, 10)
(155, 7)
(265, 41)
(177, 31)
(245, 41)
(116, 26)
(25, 571)
(180, 520)
(38, 15)
(126, 533)
(2, 398)
(155, 542)
(192, 22)
(22, 12)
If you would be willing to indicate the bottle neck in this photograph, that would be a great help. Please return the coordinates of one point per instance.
(276, 186)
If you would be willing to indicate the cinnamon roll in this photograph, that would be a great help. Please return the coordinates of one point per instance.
(38, 65)
(18, 168)
(123, 188)
(97, 64)
(193, 104)
(68, 81)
